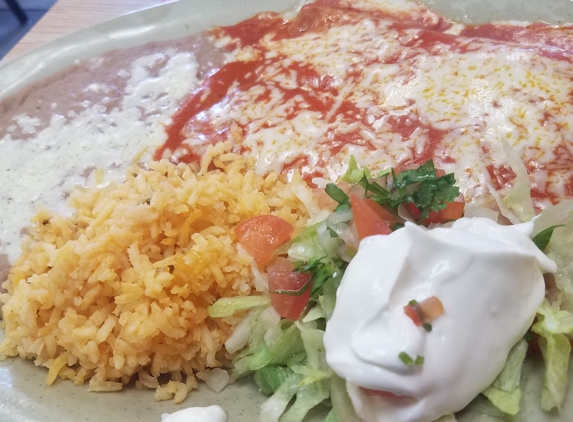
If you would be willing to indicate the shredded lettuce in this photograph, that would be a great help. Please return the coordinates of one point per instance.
(289, 343)
(555, 319)
(555, 328)
(314, 314)
(505, 391)
(328, 298)
(274, 407)
(340, 401)
(229, 306)
(560, 248)
(270, 378)
(518, 200)
(353, 174)
(307, 397)
(331, 417)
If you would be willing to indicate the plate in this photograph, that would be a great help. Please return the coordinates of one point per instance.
(25, 397)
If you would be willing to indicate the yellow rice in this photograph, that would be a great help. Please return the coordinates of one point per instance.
(120, 290)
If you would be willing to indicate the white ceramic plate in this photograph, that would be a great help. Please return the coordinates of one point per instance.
(24, 396)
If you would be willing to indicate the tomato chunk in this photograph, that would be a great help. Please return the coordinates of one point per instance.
(413, 314)
(424, 312)
(283, 277)
(453, 211)
(368, 222)
(261, 235)
(413, 210)
(383, 213)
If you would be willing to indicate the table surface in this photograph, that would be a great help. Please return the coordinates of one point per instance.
(71, 15)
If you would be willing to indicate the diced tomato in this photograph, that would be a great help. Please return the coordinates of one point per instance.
(383, 213)
(282, 277)
(368, 222)
(413, 210)
(413, 314)
(424, 312)
(435, 217)
(261, 235)
(453, 211)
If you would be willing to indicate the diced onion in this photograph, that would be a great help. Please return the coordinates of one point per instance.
(260, 281)
(216, 379)
(328, 243)
(240, 336)
(304, 194)
(340, 217)
(269, 318)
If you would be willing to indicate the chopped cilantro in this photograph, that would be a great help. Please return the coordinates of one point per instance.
(321, 270)
(408, 177)
(427, 327)
(420, 187)
(339, 196)
(413, 302)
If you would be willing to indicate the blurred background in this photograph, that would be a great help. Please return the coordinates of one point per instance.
(12, 29)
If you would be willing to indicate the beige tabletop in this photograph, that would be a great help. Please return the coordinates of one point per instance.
(70, 15)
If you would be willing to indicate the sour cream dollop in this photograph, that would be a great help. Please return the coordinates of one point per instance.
(196, 414)
(489, 280)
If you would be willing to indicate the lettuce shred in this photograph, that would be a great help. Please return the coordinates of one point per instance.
(555, 317)
(518, 200)
(505, 392)
(555, 329)
(229, 306)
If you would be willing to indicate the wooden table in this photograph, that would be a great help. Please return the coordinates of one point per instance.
(70, 15)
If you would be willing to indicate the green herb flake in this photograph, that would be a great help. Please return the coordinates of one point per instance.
(337, 194)
(405, 358)
(419, 360)
(413, 302)
(427, 327)
(543, 238)
(321, 269)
